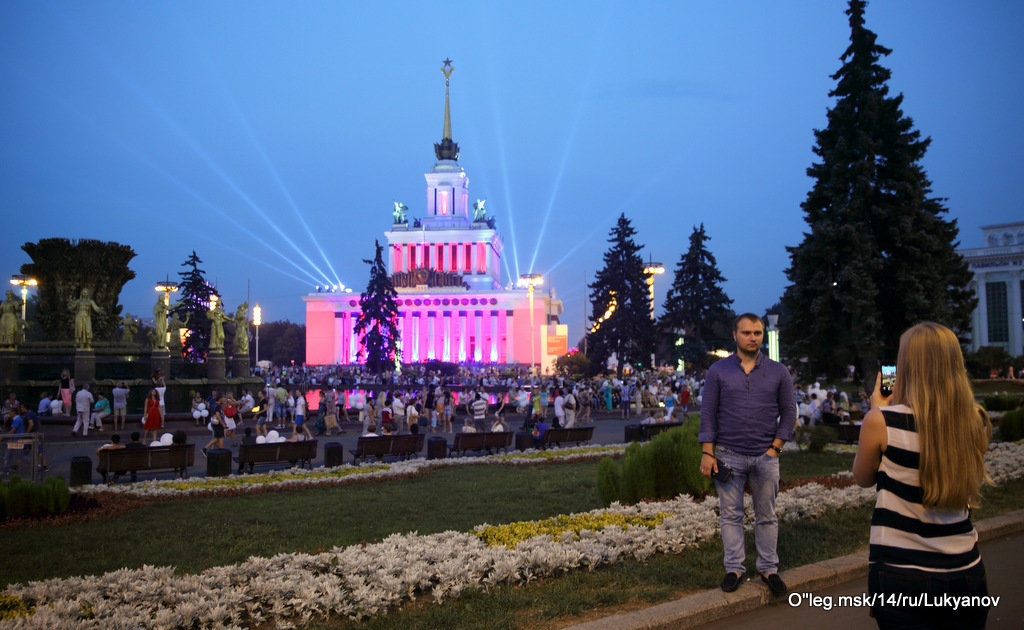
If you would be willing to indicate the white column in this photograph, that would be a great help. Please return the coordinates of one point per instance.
(1014, 312)
(982, 310)
(430, 335)
(478, 317)
(415, 337)
(494, 336)
(446, 351)
(462, 336)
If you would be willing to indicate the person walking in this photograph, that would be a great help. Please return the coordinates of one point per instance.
(924, 448)
(747, 414)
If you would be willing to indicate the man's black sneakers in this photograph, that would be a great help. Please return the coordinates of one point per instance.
(775, 584)
(731, 582)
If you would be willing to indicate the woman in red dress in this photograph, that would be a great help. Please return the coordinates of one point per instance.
(151, 419)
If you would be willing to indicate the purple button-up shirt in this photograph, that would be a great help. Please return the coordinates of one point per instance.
(745, 412)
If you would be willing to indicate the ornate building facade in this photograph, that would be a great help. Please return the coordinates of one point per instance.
(998, 283)
(446, 268)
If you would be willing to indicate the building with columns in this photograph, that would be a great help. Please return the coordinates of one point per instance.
(446, 269)
(998, 284)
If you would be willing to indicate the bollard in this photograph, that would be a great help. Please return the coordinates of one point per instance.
(218, 462)
(334, 454)
(634, 433)
(437, 447)
(81, 471)
(524, 440)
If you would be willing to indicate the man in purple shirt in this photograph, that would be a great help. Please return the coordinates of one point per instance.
(747, 413)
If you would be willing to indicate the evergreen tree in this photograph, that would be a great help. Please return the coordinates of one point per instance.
(195, 294)
(879, 255)
(696, 306)
(377, 324)
(621, 305)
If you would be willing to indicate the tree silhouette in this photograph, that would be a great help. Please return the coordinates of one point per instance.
(377, 324)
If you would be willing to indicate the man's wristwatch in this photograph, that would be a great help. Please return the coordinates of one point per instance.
(778, 451)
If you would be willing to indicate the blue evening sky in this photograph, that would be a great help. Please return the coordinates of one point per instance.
(274, 137)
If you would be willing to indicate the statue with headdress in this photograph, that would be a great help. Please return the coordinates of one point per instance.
(400, 211)
(217, 317)
(129, 330)
(11, 326)
(479, 212)
(160, 322)
(174, 326)
(242, 329)
(83, 309)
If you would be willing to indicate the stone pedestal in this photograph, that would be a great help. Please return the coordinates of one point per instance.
(215, 365)
(239, 365)
(85, 366)
(160, 359)
(9, 362)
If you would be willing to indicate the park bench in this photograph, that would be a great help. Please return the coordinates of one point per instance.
(276, 452)
(848, 432)
(176, 458)
(650, 430)
(481, 441)
(562, 436)
(381, 446)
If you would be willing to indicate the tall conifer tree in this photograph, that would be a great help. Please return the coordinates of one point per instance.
(627, 331)
(879, 256)
(696, 306)
(194, 300)
(377, 324)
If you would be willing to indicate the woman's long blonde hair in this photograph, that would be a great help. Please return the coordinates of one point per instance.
(952, 429)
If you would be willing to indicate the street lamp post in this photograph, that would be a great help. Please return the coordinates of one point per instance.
(257, 319)
(652, 269)
(531, 280)
(773, 337)
(24, 282)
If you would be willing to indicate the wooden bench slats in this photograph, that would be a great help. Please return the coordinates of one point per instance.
(303, 452)
(379, 446)
(480, 441)
(560, 436)
(176, 458)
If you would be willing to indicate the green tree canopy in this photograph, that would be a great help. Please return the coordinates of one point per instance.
(63, 268)
(194, 295)
(377, 324)
(879, 255)
(696, 307)
(621, 305)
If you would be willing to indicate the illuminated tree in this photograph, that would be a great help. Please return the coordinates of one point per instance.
(377, 324)
(621, 304)
(879, 255)
(194, 300)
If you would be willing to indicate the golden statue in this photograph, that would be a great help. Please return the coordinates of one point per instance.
(83, 308)
(131, 328)
(217, 318)
(242, 329)
(11, 326)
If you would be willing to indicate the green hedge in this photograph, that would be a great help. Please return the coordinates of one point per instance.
(1011, 426)
(1001, 402)
(665, 467)
(19, 498)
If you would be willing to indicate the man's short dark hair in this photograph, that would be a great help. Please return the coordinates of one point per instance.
(746, 316)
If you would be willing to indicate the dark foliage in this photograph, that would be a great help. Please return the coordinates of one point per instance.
(377, 324)
(194, 301)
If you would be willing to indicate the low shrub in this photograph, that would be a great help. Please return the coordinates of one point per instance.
(1001, 402)
(1011, 425)
(665, 467)
(20, 498)
(815, 438)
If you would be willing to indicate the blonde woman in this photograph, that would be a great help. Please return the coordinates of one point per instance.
(924, 447)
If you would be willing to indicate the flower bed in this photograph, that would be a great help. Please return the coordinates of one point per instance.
(361, 581)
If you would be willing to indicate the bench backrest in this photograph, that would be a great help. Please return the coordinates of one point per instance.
(277, 451)
(373, 445)
(407, 443)
(148, 457)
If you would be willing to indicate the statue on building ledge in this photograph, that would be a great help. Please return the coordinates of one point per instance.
(479, 212)
(400, 213)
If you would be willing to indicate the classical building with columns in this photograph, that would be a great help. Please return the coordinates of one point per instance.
(446, 268)
(998, 283)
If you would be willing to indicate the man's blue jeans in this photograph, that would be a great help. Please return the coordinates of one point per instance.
(762, 472)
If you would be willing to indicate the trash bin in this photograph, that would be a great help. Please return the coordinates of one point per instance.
(81, 471)
(334, 454)
(524, 440)
(634, 432)
(218, 462)
(437, 447)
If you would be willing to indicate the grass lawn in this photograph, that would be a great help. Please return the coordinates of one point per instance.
(199, 532)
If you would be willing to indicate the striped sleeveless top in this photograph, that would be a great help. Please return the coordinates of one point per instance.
(903, 532)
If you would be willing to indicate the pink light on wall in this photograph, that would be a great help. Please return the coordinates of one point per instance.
(453, 260)
(442, 201)
(439, 260)
(468, 260)
(396, 258)
(481, 258)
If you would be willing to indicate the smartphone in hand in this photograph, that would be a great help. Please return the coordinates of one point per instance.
(888, 378)
(724, 473)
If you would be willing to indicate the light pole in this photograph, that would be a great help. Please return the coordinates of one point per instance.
(773, 337)
(24, 282)
(652, 269)
(257, 319)
(531, 280)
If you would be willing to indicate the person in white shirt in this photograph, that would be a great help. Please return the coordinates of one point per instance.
(559, 408)
(569, 405)
(398, 411)
(83, 407)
